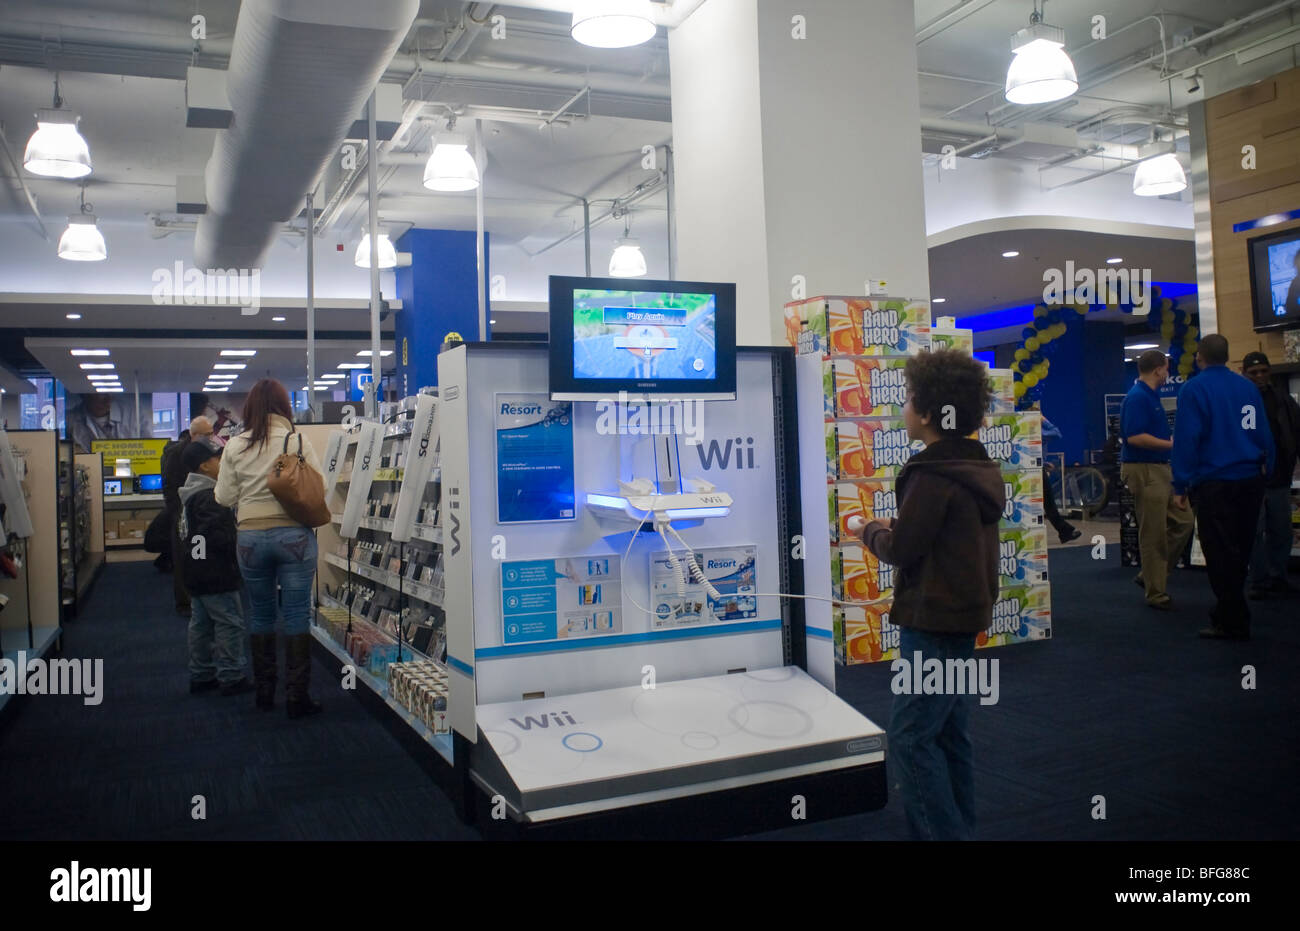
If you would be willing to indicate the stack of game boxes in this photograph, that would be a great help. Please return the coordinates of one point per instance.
(864, 344)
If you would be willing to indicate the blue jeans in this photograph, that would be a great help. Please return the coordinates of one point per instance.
(930, 748)
(1272, 539)
(284, 557)
(216, 637)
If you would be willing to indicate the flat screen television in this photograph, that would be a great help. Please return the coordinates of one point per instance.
(112, 486)
(148, 483)
(652, 339)
(1275, 279)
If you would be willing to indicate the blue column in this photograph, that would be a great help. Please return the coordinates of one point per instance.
(1087, 364)
(439, 295)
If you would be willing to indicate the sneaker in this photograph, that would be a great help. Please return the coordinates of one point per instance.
(202, 685)
(238, 687)
(1166, 605)
(1218, 633)
(1070, 533)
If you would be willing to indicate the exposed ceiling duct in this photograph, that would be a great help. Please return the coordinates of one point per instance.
(293, 105)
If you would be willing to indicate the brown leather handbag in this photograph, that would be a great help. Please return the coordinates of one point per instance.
(298, 487)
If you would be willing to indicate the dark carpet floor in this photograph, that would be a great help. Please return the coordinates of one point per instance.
(1123, 702)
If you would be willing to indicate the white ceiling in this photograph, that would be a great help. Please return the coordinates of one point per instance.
(122, 64)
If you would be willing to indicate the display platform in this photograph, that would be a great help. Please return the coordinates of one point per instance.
(577, 754)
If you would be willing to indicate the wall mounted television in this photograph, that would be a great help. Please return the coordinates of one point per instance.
(1275, 279)
(651, 339)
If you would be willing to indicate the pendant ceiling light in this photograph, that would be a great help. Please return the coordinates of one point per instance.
(57, 149)
(387, 254)
(450, 166)
(82, 241)
(612, 23)
(627, 260)
(1041, 71)
(1160, 175)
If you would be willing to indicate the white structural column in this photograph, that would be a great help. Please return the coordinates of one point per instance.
(797, 156)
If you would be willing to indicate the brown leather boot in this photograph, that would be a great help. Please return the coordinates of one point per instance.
(262, 647)
(297, 676)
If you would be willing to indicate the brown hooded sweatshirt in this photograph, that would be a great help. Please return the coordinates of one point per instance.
(944, 542)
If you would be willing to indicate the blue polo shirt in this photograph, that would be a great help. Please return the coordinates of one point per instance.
(1222, 431)
(1142, 413)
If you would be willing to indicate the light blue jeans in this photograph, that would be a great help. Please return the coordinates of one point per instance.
(216, 637)
(283, 557)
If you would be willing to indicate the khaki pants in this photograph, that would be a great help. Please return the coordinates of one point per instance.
(1163, 527)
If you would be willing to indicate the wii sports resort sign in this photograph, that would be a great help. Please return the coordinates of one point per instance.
(216, 287)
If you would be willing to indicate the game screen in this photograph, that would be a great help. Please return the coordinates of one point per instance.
(644, 334)
(1283, 281)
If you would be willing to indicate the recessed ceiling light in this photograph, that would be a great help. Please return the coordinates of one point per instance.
(354, 365)
(117, 390)
(102, 376)
(97, 365)
(1136, 346)
(492, 322)
(1114, 261)
(937, 300)
(89, 352)
(277, 320)
(215, 388)
(1010, 255)
(73, 316)
(239, 352)
(231, 366)
(383, 353)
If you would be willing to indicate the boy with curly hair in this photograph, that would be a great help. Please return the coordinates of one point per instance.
(944, 549)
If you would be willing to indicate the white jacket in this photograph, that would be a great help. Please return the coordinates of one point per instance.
(241, 483)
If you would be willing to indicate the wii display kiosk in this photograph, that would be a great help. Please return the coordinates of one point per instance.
(617, 636)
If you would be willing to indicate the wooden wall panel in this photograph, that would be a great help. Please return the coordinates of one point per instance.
(1263, 115)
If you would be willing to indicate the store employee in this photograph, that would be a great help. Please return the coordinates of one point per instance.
(1164, 524)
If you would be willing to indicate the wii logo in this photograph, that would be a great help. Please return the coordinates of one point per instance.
(544, 720)
(734, 454)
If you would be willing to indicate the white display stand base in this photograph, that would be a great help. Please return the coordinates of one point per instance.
(577, 754)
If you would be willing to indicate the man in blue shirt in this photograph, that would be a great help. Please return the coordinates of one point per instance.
(1164, 525)
(1223, 448)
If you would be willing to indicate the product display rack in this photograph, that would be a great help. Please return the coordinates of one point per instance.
(379, 600)
(81, 519)
(30, 621)
(864, 344)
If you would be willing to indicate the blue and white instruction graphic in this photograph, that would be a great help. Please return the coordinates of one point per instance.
(731, 571)
(560, 599)
(534, 458)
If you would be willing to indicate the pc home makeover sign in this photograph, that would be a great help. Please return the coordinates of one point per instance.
(534, 458)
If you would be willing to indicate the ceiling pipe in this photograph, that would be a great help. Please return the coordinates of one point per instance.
(292, 107)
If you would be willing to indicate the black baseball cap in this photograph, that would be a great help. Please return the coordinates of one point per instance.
(1254, 358)
(198, 452)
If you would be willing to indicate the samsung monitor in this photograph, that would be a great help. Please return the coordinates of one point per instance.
(1275, 279)
(651, 339)
(146, 484)
(112, 486)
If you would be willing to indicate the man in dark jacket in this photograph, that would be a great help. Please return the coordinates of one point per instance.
(1273, 536)
(944, 549)
(174, 475)
(211, 570)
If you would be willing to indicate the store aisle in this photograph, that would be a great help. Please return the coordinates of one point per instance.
(130, 767)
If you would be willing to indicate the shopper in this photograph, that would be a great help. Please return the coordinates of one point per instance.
(1065, 531)
(208, 563)
(274, 549)
(944, 549)
(1164, 524)
(174, 476)
(1223, 448)
(1273, 537)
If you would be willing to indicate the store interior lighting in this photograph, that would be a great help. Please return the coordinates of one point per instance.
(57, 149)
(1040, 69)
(383, 354)
(387, 254)
(239, 352)
(450, 167)
(612, 23)
(1159, 176)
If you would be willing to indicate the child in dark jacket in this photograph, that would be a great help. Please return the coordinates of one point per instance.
(944, 549)
(211, 572)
